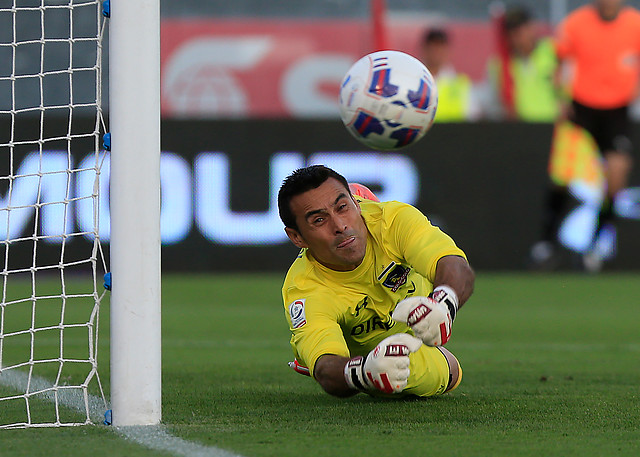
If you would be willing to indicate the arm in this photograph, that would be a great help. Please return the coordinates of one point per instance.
(434, 255)
(564, 49)
(385, 369)
(431, 318)
(329, 373)
(455, 272)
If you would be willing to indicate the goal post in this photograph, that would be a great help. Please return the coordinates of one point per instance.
(134, 119)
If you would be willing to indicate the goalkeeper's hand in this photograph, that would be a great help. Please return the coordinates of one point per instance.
(386, 368)
(430, 318)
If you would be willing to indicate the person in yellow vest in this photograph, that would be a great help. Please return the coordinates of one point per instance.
(457, 101)
(521, 76)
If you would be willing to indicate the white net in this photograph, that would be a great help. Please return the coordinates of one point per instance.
(51, 261)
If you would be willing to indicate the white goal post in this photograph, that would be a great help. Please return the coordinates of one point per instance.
(134, 118)
(62, 196)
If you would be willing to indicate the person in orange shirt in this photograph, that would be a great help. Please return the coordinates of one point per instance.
(601, 40)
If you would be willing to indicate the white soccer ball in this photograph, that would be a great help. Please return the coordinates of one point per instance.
(388, 100)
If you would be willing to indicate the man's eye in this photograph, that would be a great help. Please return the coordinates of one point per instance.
(318, 220)
(342, 207)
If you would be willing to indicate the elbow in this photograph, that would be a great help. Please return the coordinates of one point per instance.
(337, 392)
(469, 282)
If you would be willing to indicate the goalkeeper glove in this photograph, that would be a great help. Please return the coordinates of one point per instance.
(386, 368)
(430, 317)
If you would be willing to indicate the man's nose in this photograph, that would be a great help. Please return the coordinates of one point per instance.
(340, 224)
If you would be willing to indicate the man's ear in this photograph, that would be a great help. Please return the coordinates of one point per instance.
(295, 237)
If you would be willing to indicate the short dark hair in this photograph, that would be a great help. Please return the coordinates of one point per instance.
(516, 16)
(300, 181)
(435, 36)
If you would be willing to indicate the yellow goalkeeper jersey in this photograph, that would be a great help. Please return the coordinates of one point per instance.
(347, 313)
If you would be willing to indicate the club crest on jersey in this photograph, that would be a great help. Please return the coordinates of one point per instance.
(396, 276)
(296, 311)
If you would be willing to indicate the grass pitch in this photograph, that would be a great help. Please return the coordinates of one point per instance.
(551, 367)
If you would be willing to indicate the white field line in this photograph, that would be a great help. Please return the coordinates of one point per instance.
(157, 438)
(154, 437)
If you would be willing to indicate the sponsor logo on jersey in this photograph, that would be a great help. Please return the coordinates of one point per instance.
(360, 306)
(296, 311)
(372, 324)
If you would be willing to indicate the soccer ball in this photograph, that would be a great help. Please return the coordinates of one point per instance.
(388, 100)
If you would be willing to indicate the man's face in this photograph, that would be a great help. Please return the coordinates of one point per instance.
(330, 226)
(522, 40)
(435, 55)
(608, 9)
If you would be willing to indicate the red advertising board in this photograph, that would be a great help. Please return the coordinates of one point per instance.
(284, 68)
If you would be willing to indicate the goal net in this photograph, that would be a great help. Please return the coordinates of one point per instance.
(51, 262)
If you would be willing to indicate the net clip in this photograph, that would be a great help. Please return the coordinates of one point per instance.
(107, 417)
(107, 281)
(106, 8)
(106, 141)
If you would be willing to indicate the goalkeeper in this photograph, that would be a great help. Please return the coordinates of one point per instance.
(372, 296)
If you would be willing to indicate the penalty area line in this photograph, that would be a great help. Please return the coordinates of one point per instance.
(154, 437)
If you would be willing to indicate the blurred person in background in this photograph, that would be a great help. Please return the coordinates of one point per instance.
(601, 41)
(520, 78)
(575, 172)
(457, 101)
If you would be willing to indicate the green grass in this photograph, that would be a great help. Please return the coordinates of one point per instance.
(551, 367)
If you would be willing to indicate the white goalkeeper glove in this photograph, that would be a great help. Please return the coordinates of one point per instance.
(386, 368)
(430, 317)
